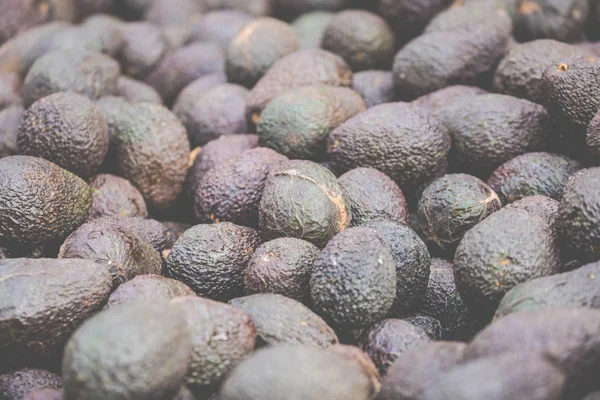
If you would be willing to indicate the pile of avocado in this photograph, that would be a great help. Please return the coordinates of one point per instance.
(299, 199)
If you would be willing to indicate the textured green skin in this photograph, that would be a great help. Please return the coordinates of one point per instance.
(67, 129)
(375, 87)
(297, 373)
(43, 301)
(306, 67)
(254, 7)
(520, 71)
(137, 92)
(149, 362)
(89, 73)
(298, 122)
(124, 253)
(171, 12)
(509, 247)
(578, 288)
(303, 199)
(373, 195)
(45, 394)
(579, 213)
(143, 47)
(572, 94)
(113, 196)
(220, 26)
(39, 201)
(17, 384)
(409, 18)
(513, 126)
(232, 190)
(563, 20)
(280, 320)
(363, 39)
(181, 67)
(430, 325)
(219, 111)
(149, 147)
(149, 230)
(413, 371)
(309, 28)
(353, 283)
(515, 376)
(222, 337)
(256, 48)
(452, 205)
(568, 336)
(10, 90)
(412, 263)
(148, 287)
(400, 140)
(211, 259)
(532, 174)
(10, 119)
(282, 266)
(466, 14)
(388, 339)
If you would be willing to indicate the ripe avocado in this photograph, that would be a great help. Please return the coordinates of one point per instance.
(45, 394)
(375, 87)
(532, 174)
(211, 259)
(309, 28)
(452, 205)
(18, 16)
(39, 201)
(171, 12)
(150, 230)
(67, 129)
(297, 122)
(363, 39)
(436, 102)
(137, 92)
(100, 362)
(463, 14)
(148, 287)
(256, 8)
(143, 47)
(219, 26)
(198, 88)
(100, 33)
(43, 301)
(562, 20)
(289, 9)
(282, 266)
(16, 385)
(10, 119)
(592, 138)
(353, 283)
(430, 325)
(89, 73)
(10, 90)
(113, 196)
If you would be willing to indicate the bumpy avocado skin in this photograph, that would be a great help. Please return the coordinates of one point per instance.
(211, 259)
(452, 205)
(436, 102)
(462, 14)
(563, 20)
(532, 174)
(375, 87)
(309, 28)
(113, 196)
(282, 321)
(303, 199)
(407, 18)
(592, 138)
(43, 301)
(298, 122)
(151, 230)
(10, 119)
(100, 362)
(430, 325)
(148, 287)
(16, 385)
(39, 201)
(136, 91)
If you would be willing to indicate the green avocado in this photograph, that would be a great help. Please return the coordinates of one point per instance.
(309, 28)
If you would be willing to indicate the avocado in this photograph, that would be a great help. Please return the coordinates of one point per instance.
(67, 129)
(430, 325)
(17, 16)
(307, 67)
(363, 39)
(220, 26)
(219, 111)
(520, 71)
(101, 362)
(45, 394)
(400, 140)
(412, 262)
(463, 14)
(280, 320)
(143, 47)
(353, 353)
(16, 385)
(124, 252)
(232, 190)
(212, 258)
(131, 9)
(199, 87)
(513, 126)
(43, 301)
(88, 73)
(3, 254)
(281, 266)
(10, 119)
(452, 205)
(91, 7)
(222, 337)
(519, 375)
(40, 202)
(386, 340)
(375, 87)
(509, 247)
(578, 215)
(567, 336)
(173, 12)
(353, 283)
(150, 230)
(289, 9)
(256, 48)
(148, 287)
(297, 122)
(309, 28)
(436, 102)
(149, 147)
(10, 90)
(101, 33)
(532, 174)
(570, 88)
(113, 196)
(177, 36)
(564, 20)
(180, 67)
(592, 138)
